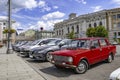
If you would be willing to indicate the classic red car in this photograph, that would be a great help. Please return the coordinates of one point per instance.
(82, 53)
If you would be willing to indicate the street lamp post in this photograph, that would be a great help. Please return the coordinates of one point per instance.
(9, 25)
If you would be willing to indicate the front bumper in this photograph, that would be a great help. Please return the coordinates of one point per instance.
(63, 64)
(37, 57)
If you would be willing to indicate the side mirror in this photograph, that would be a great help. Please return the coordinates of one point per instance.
(61, 44)
(92, 47)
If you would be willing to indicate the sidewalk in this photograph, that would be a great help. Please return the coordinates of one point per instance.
(12, 67)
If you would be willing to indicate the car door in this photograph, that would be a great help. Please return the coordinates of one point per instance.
(105, 49)
(95, 51)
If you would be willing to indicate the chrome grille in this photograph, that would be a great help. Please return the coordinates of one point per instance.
(60, 58)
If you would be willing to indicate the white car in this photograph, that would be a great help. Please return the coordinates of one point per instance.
(115, 75)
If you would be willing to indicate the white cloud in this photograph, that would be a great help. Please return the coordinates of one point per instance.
(3, 17)
(17, 5)
(28, 4)
(96, 8)
(116, 1)
(55, 7)
(81, 1)
(43, 5)
(47, 25)
(53, 15)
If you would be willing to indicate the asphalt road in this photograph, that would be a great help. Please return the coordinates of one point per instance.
(100, 71)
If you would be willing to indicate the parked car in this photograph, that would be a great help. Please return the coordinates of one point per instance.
(82, 53)
(16, 47)
(24, 46)
(16, 43)
(36, 44)
(42, 53)
(115, 75)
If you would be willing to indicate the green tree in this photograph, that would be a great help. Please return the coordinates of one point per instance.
(100, 31)
(90, 32)
(71, 35)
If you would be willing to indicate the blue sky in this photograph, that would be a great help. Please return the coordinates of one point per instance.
(33, 14)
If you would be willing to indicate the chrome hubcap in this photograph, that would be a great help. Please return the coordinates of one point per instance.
(48, 56)
(110, 58)
(81, 67)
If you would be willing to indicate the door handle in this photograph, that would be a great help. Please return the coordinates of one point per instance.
(100, 49)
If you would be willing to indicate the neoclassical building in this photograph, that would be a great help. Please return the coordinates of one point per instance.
(110, 19)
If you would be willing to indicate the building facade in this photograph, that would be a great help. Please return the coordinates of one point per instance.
(110, 19)
(3, 26)
(44, 34)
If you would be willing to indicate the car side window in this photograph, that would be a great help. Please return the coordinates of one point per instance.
(95, 44)
(103, 42)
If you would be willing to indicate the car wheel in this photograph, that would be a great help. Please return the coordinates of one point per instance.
(109, 60)
(48, 56)
(82, 67)
(58, 67)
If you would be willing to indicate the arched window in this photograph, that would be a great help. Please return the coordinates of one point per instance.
(77, 28)
(72, 28)
(62, 32)
(68, 30)
(90, 25)
(100, 23)
(59, 32)
(95, 25)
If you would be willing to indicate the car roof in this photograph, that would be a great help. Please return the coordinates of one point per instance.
(90, 38)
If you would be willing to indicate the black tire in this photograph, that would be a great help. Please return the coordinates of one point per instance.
(47, 56)
(58, 67)
(84, 67)
(110, 58)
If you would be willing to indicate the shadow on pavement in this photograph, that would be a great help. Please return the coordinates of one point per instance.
(65, 72)
(57, 72)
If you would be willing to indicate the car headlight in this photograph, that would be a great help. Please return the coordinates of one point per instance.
(117, 78)
(70, 59)
(40, 51)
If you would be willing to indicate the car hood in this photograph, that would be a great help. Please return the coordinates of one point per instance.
(115, 74)
(40, 48)
(70, 52)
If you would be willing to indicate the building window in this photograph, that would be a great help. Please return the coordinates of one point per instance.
(118, 33)
(3, 28)
(59, 32)
(72, 28)
(100, 23)
(62, 32)
(118, 16)
(4, 23)
(95, 25)
(68, 30)
(114, 16)
(90, 25)
(115, 34)
(118, 25)
(77, 28)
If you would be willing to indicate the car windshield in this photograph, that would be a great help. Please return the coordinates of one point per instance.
(51, 43)
(35, 42)
(55, 42)
(79, 44)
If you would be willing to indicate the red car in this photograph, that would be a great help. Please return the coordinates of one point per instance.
(82, 53)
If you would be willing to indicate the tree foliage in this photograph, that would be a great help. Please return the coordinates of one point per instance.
(7, 31)
(71, 35)
(99, 31)
(90, 32)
